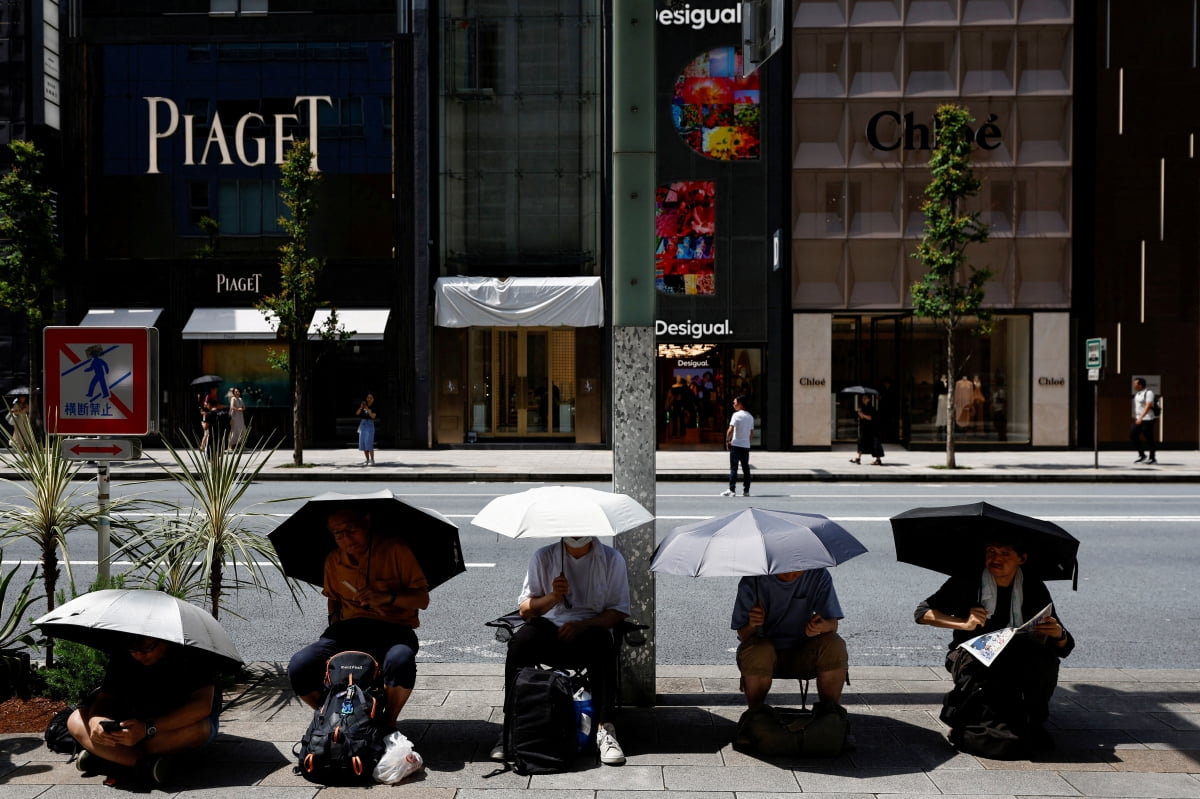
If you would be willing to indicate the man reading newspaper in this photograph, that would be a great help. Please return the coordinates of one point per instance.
(999, 710)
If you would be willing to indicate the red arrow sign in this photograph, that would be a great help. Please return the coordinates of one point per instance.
(79, 449)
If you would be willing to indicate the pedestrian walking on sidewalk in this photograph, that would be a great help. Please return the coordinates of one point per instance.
(737, 441)
(1143, 421)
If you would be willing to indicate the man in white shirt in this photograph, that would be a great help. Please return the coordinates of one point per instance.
(575, 593)
(1143, 421)
(737, 441)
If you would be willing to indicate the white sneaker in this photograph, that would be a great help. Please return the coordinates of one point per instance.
(728, 493)
(611, 753)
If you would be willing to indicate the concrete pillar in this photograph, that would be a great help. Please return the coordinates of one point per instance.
(633, 417)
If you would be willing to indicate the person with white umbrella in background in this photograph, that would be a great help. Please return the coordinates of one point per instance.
(576, 591)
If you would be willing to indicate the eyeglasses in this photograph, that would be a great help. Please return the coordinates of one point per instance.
(342, 532)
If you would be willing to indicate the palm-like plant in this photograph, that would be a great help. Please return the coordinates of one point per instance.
(188, 555)
(52, 504)
(15, 635)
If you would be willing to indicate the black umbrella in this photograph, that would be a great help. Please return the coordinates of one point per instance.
(303, 540)
(858, 390)
(951, 540)
(207, 380)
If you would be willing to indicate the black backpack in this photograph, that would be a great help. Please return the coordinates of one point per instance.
(540, 725)
(345, 738)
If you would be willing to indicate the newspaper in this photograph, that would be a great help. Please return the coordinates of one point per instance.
(987, 647)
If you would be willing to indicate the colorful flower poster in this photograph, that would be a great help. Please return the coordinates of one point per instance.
(684, 222)
(714, 110)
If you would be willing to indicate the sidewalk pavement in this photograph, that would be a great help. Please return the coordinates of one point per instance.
(1119, 733)
(520, 464)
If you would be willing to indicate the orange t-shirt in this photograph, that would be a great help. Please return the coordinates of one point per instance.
(388, 566)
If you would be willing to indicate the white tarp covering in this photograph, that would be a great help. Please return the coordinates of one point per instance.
(229, 323)
(519, 302)
(368, 324)
(121, 317)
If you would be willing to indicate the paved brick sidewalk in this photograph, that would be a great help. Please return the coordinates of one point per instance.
(1120, 733)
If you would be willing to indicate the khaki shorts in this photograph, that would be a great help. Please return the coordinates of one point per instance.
(759, 658)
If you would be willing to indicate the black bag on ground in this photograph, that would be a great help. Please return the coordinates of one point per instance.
(775, 732)
(345, 738)
(539, 725)
(58, 738)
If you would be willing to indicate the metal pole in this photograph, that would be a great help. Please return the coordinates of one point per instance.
(633, 413)
(1095, 424)
(102, 527)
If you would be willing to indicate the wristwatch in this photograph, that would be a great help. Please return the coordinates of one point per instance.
(151, 730)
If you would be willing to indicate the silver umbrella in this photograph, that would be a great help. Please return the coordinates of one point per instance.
(102, 619)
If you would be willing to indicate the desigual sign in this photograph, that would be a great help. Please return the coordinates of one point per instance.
(697, 18)
(916, 136)
(251, 150)
(694, 330)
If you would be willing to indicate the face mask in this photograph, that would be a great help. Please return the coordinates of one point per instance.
(579, 542)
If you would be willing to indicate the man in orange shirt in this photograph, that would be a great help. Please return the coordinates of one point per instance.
(375, 589)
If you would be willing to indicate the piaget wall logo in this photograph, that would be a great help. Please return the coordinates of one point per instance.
(697, 18)
(251, 150)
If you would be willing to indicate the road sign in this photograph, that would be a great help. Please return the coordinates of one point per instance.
(100, 380)
(101, 449)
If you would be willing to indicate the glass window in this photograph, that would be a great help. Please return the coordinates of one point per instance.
(819, 133)
(990, 395)
(874, 63)
(819, 66)
(249, 207)
(819, 202)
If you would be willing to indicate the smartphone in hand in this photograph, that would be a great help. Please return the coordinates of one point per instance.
(111, 726)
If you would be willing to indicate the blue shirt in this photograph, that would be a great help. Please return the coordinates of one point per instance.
(788, 606)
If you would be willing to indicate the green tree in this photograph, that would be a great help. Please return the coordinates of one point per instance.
(952, 289)
(29, 252)
(293, 305)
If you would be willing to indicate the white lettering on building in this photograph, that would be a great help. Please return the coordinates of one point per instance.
(255, 155)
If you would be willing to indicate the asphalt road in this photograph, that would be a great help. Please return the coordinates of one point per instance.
(1135, 607)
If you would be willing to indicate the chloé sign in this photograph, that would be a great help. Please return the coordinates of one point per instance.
(916, 136)
(250, 150)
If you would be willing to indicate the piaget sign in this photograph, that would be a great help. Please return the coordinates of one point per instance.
(251, 150)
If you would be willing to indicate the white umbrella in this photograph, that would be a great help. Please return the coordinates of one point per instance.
(98, 619)
(561, 512)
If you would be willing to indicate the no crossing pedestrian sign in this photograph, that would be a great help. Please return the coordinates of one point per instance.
(101, 381)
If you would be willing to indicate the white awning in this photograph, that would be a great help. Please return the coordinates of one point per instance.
(519, 302)
(229, 323)
(121, 317)
(366, 324)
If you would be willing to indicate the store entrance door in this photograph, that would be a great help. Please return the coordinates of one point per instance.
(533, 371)
(869, 351)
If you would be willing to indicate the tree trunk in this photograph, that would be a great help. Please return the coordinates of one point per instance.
(214, 587)
(49, 584)
(951, 420)
(296, 366)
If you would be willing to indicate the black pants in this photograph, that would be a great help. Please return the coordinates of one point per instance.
(739, 455)
(537, 642)
(1018, 684)
(1144, 428)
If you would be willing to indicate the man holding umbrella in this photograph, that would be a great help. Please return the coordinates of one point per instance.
(999, 710)
(787, 625)
(575, 592)
(375, 588)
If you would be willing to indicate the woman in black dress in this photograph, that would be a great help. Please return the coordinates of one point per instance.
(868, 436)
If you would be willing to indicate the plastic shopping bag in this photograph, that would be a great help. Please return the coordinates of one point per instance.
(399, 760)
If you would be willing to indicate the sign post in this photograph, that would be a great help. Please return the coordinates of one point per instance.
(1094, 361)
(101, 381)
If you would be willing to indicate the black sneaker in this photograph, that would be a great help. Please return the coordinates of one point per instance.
(1152, 460)
(497, 753)
(1140, 458)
